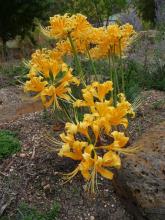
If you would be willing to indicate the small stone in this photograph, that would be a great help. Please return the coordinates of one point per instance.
(81, 202)
(22, 155)
(92, 217)
(46, 187)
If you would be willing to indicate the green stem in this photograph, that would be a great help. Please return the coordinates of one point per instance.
(66, 111)
(92, 63)
(114, 81)
(111, 75)
(78, 64)
(116, 77)
(115, 93)
(121, 67)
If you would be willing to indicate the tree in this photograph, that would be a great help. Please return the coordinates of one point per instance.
(147, 9)
(17, 16)
(97, 11)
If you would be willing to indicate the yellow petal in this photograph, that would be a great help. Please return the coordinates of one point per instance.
(105, 173)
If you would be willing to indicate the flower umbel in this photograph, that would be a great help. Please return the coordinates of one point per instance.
(49, 78)
(95, 141)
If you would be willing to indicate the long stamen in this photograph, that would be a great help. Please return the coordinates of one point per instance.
(69, 176)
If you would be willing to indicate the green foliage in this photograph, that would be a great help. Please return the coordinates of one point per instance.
(17, 16)
(101, 9)
(9, 144)
(14, 73)
(130, 70)
(97, 11)
(27, 213)
(137, 76)
(160, 104)
(146, 9)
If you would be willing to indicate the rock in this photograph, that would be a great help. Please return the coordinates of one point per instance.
(22, 155)
(141, 181)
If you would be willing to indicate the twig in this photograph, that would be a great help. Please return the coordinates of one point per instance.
(33, 154)
(3, 174)
(8, 166)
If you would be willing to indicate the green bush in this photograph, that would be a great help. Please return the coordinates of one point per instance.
(137, 76)
(9, 144)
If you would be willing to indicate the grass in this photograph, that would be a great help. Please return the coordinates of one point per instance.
(9, 143)
(13, 72)
(27, 213)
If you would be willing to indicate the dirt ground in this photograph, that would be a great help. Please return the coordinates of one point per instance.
(34, 175)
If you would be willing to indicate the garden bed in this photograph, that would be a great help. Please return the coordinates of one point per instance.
(34, 175)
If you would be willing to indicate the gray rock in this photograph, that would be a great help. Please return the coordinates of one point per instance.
(141, 181)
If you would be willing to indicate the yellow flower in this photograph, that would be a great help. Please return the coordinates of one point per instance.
(102, 89)
(110, 159)
(35, 84)
(119, 141)
(71, 128)
(82, 127)
(81, 25)
(74, 152)
(85, 137)
(114, 41)
(60, 26)
(50, 77)
(86, 165)
(64, 47)
(95, 90)
(69, 138)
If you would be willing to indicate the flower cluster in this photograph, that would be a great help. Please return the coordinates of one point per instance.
(95, 141)
(114, 41)
(101, 42)
(49, 78)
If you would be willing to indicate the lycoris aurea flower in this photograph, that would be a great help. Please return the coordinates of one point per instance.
(49, 78)
(114, 41)
(63, 26)
(95, 141)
